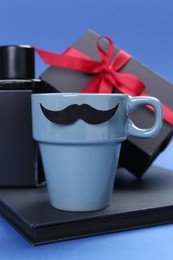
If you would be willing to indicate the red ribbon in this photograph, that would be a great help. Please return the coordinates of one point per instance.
(106, 71)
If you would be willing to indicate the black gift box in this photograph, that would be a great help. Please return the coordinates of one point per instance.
(136, 154)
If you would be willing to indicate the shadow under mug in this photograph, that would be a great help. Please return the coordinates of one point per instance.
(80, 137)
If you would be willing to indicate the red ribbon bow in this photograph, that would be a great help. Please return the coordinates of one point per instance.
(107, 74)
(106, 69)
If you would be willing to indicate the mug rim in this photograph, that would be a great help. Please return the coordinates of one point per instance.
(74, 94)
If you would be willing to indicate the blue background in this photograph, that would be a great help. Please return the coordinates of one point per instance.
(142, 28)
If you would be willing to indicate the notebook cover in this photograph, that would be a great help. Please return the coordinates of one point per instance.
(135, 203)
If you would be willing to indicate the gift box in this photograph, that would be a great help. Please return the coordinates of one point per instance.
(68, 74)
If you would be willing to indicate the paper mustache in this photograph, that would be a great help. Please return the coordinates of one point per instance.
(75, 112)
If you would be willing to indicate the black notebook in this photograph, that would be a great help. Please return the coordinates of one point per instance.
(135, 203)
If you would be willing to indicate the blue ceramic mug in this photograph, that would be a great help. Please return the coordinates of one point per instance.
(80, 137)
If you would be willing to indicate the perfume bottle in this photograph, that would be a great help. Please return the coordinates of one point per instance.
(20, 161)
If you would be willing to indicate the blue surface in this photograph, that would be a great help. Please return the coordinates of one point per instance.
(144, 29)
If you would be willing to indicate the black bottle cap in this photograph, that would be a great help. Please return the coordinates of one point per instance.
(17, 62)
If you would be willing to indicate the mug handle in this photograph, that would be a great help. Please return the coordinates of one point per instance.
(135, 102)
